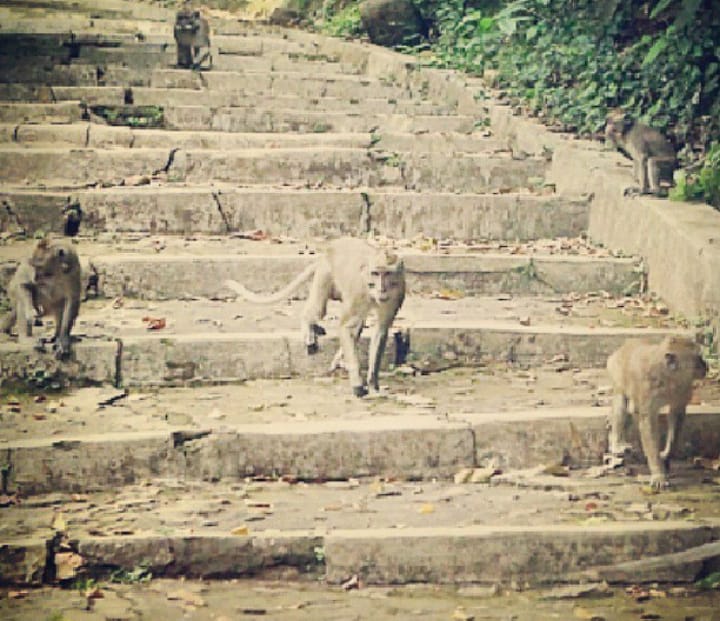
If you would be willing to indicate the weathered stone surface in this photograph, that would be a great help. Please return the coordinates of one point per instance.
(85, 463)
(683, 566)
(23, 562)
(539, 555)
(394, 447)
(91, 361)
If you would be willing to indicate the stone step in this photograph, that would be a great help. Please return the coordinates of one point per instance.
(149, 56)
(95, 439)
(178, 97)
(312, 167)
(304, 213)
(382, 532)
(171, 276)
(220, 340)
(98, 136)
(152, 268)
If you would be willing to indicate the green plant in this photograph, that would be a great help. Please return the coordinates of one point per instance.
(345, 23)
(139, 574)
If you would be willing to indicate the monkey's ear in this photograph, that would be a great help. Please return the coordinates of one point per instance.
(671, 361)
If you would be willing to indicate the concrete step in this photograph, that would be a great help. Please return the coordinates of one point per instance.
(334, 167)
(152, 268)
(169, 276)
(218, 340)
(103, 136)
(383, 532)
(303, 213)
(176, 97)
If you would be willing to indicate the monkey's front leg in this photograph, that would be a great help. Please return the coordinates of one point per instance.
(617, 444)
(349, 329)
(377, 348)
(650, 438)
(64, 321)
(676, 417)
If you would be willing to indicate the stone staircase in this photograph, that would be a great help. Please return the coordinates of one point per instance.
(215, 446)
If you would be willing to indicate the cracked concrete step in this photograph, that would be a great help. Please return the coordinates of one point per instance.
(405, 445)
(244, 119)
(382, 532)
(148, 56)
(305, 213)
(176, 268)
(175, 97)
(217, 340)
(327, 167)
(95, 135)
(171, 276)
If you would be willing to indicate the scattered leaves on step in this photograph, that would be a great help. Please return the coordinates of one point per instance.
(706, 464)
(18, 594)
(426, 509)
(638, 593)
(351, 583)
(186, 597)
(240, 531)
(586, 614)
(574, 591)
(556, 470)
(154, 323)
(460, 614)
(448, 294)
(66, 565)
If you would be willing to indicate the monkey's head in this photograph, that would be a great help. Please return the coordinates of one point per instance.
(52, 257)
(682, 355)
(187, 20)
(617, 124)
(385, 276)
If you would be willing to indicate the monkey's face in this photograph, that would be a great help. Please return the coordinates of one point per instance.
(385, 279)
(50, 260)
(684, 357)
(186, 23)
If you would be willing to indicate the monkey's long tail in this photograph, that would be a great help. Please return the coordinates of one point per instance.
(278, 296)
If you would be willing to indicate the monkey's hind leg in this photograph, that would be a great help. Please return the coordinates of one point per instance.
(676, 417)
(378, 341)
(315, 307)
(617, 443)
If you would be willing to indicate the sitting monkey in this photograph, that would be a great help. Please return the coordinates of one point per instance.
(25, 309)
(652, 375)
(46, 283)
(652, 154)
(365, 279)
(192, 33)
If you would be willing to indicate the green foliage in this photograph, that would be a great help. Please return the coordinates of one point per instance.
(569, 62)
(709, 582)
(704, 184)
(343, 23)
(139, 574)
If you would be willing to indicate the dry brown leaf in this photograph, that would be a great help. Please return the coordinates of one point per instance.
(66, 565)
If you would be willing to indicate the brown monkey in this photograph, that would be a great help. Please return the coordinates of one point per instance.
(24, 306)
(365, 279)
(652, 375)
(58, 287)
(192, 33)
(652, 154)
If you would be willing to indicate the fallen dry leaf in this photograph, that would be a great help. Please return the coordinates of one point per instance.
(352, 583)
(17, 594)
(240, 530)
(58, 523)
(186, 597)
(426, 509)
(154, 323)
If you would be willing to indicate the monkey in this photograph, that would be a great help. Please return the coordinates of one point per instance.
(192, 33)
(58, 288)
(652, 375)
(365, 279)
(25, 309)
(652, 153)
(72, 217)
